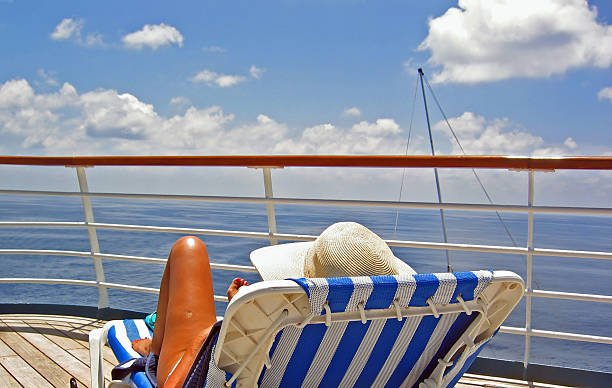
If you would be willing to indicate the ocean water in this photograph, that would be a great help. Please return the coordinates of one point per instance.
(550, 273)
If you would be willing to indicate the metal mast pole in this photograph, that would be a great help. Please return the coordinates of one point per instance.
(433, 153)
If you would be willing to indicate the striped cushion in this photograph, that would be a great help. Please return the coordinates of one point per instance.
(380, 352)
(120, 337)
(384, 352)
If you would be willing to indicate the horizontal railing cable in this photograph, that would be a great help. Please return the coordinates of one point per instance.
(571, 296)
(106, 256)
(55, 252)
(75, 282)
(556, 335)
(297, 237)
(243, 268)
(327, 202)
(93, 283)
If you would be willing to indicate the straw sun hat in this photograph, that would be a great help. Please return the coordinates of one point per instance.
(343, 249)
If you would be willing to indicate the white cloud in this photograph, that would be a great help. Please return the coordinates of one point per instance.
(106, 121)
(381, 137)
(490, 40)
(215, 79)
(67, 28)
(479, 136)
(605, 93)
(260, 137)
(101, 121)
(382, 127)
(352, 112)
(570, 143)
(48, 77)
(71, 29)
(180, 102)
(32, 120)
(93, 39)
(256, 72)
(409, 66)
(214, 49)
(153, 36)
(15, 93)
(109, 114)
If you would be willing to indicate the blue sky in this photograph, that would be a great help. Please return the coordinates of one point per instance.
(304, 77)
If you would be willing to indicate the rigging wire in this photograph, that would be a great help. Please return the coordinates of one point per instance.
(473, 170)
(433, 153)
(416, 88)
(559, 318)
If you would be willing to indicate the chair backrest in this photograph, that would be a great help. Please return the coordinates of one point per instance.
(364, 331)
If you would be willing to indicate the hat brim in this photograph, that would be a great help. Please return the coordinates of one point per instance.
(284, 261)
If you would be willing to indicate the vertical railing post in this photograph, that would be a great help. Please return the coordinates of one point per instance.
(93, 238)
(529, 269)
(270, 206)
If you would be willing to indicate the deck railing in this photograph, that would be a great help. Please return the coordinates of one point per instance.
(266, 163)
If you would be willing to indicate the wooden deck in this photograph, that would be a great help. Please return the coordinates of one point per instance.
(46, 350)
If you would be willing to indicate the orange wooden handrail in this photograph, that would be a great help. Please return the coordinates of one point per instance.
(494, 162)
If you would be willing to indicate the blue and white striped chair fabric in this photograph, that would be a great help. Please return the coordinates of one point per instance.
(216, 377)
(383, 352)
(120, 337)
(380, 352)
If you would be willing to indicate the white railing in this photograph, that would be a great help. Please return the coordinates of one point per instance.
(273, 236)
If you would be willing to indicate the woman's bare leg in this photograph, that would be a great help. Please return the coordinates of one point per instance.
(178, 376)
(185, 311)
(162, 305)
(144, 346)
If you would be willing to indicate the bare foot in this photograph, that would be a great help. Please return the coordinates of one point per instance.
(233, 288)
(142, 346)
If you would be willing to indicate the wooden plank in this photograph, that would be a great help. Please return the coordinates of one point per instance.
(107, 351)
(43, 364)
(53, 318)
(23, 372)
(5, 350)
(83, 355)
(67, 361)
(82, 330)
(471, 380)
(461, 384)
(71, 341)
(6, 380)
(60, 337)
(69, 330)
(77, 348)
(69, 333)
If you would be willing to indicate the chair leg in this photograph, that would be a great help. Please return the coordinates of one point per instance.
(97, 338)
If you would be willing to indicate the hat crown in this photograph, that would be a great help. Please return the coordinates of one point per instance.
(349, 249)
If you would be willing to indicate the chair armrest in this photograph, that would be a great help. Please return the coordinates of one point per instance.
(97, 341)
(96, 363)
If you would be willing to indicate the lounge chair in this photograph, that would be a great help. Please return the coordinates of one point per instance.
(422, 330)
